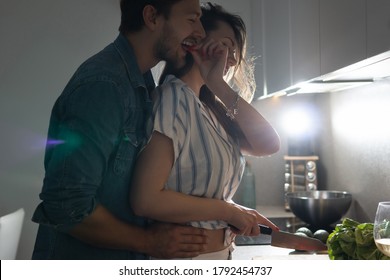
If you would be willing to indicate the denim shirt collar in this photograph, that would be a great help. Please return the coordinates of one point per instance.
(127, 53)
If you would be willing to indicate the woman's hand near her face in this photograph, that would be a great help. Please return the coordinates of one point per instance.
(260, 138)
(211, 57)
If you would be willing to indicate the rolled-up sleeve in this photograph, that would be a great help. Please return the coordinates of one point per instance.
(84, 129)
(171, 114)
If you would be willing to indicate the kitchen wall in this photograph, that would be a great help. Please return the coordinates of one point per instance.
(360, 146)
(352, 142)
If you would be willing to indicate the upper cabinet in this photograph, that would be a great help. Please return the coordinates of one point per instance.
(298, 40)
(378, 26)
(342, 26)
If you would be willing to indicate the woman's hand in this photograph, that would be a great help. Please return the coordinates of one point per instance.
(245, 221)
(211, 57)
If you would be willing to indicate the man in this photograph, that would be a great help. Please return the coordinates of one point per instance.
(97, 128)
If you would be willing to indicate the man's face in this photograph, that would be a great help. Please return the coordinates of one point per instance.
(181, 30)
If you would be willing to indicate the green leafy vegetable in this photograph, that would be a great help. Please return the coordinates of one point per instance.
(352, 240)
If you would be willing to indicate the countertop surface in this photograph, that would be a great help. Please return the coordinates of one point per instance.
(268, 252)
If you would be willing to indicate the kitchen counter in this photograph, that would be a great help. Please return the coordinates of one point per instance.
(268, 252)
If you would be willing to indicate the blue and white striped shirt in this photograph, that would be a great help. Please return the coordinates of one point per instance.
(207, 161)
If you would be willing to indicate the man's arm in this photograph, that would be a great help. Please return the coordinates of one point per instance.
(102, 229)
(88, 128)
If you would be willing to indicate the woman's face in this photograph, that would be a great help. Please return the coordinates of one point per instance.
(224, 33)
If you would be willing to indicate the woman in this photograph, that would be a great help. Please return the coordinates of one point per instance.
(193, 163)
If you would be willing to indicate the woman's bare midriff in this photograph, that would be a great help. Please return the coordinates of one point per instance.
(216, 239)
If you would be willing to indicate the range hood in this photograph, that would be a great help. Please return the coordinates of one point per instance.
(361, 73)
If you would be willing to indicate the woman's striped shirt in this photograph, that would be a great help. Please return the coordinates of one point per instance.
(207, 161)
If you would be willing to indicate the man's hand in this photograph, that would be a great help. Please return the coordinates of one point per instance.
(167, 241)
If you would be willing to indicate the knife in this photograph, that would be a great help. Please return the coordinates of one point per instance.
(292, 241)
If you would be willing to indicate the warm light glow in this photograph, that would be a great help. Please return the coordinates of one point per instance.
(363, 120)
(297, 122)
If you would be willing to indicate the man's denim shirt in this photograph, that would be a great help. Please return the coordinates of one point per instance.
(96, 129)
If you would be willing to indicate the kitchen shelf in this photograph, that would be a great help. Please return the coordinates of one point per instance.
(300, 174)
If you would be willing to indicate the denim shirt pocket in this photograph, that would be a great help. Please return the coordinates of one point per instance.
(127, 152)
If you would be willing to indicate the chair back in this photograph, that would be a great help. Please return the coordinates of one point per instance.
(10, 230)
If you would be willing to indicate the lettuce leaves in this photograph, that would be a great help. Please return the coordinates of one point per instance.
(352, 240)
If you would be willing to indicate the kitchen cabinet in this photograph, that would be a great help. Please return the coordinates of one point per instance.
(305, 40)
(378, 26)
(342, 27)
(297, 40)
(290, 43)
(272, 47)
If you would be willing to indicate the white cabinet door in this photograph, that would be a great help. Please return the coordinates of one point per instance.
(275, 57)
(342, 33)
(297, 40)
(289, 40)
(378, 26)
(305, 39)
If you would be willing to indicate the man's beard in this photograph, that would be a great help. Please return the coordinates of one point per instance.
(175, 63)
(171, 69)
(180, 71)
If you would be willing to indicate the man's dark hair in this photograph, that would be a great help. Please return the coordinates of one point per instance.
(131, 13)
